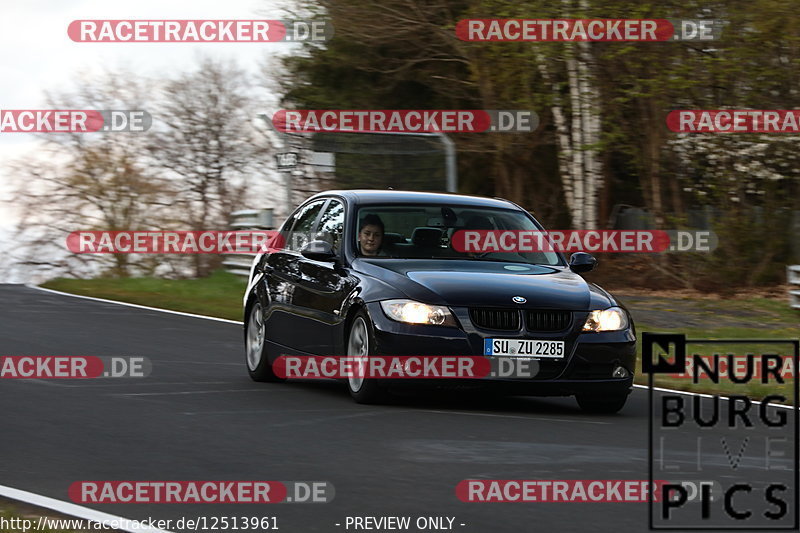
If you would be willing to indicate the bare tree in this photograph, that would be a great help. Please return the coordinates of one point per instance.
(207, 145)
(88, 181)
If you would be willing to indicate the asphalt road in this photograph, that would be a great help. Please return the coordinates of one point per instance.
(199, 417)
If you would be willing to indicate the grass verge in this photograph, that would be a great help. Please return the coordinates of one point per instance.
(16, 518)
(710, 318)
(218, 295)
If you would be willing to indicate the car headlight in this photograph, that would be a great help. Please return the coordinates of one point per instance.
(611, 319)
(412, 312)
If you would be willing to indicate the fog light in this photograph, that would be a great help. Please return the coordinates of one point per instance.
(620, 372)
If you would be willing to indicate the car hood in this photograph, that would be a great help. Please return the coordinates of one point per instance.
(488, 284)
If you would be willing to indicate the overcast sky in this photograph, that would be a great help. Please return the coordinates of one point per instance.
(37, 55)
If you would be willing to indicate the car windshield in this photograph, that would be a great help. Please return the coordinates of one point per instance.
(417, 231)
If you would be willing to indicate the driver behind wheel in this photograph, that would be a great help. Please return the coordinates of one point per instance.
(370, 236)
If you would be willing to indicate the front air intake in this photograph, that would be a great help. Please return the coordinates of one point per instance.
(500, 319)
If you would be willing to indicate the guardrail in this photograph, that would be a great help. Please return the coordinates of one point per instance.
(793, 278)
(239, 264)
(252, 219)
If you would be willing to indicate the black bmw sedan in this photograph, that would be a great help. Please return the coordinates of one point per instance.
(373, 273)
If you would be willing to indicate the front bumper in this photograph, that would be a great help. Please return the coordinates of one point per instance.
(587, 367)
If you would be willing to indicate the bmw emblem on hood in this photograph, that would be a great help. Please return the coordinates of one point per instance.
(519, 300)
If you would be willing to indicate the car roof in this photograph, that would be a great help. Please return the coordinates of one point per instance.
(379, 196)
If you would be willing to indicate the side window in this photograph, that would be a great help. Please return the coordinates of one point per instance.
(331, 224)
(304, 223)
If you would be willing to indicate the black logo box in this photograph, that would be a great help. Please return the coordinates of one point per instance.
(662, 341)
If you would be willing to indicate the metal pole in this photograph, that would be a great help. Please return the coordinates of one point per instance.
(450, 162)
(280, 145)
(288, 186)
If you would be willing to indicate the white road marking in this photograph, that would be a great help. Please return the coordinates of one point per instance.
(702, 395)
(137, 306)
(77, 511)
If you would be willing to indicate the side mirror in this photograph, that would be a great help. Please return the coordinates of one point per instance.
(318, 251)
(582, 262)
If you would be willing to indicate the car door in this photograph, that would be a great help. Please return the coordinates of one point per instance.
(322, 285)
(284, 321)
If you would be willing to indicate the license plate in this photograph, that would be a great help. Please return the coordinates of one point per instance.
(524, 348)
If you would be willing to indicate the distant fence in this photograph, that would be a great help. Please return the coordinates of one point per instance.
(369, 160)
(261, 219)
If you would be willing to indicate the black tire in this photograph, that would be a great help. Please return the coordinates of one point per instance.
(255, 354)
(602, 403)
(361, 342)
